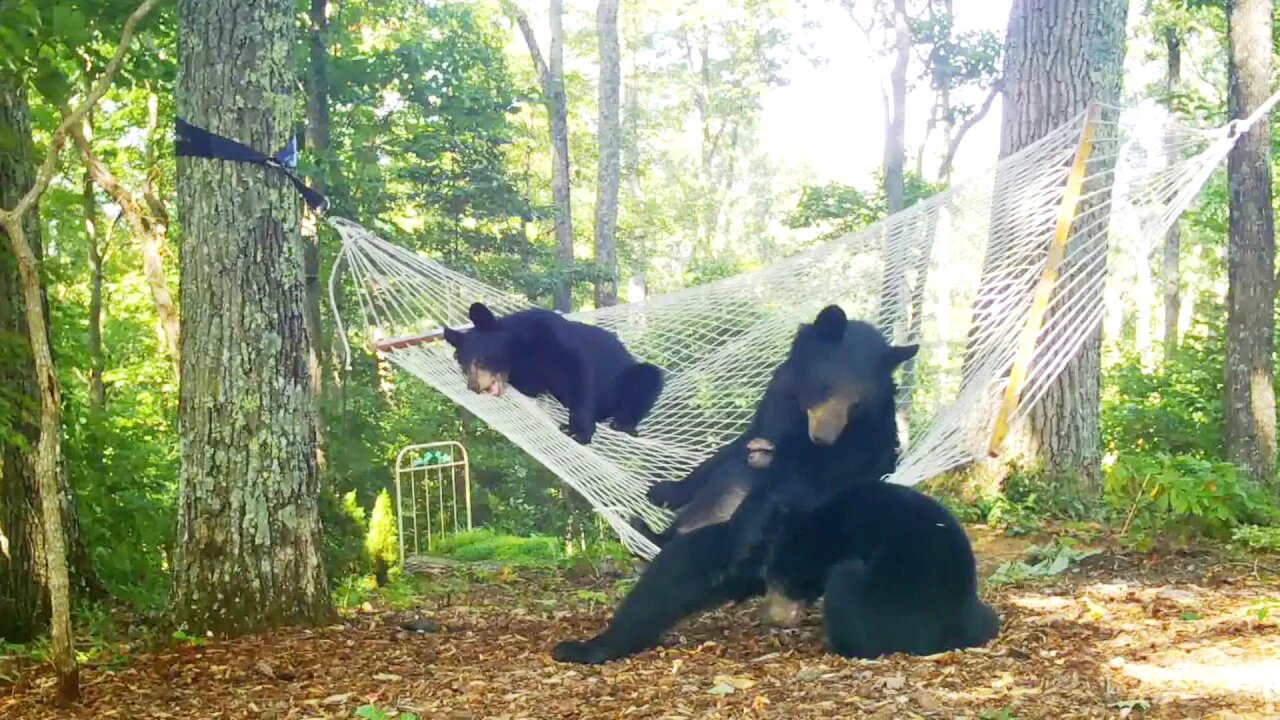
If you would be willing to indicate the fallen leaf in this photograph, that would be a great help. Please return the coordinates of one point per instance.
(336, 699)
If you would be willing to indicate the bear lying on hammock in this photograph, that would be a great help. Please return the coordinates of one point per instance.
(894, 568)
(540, 352)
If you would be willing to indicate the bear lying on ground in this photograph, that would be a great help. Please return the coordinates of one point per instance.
(792, 420)
(539, 352)
(895, 568)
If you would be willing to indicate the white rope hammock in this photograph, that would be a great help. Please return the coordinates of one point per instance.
(998, 277)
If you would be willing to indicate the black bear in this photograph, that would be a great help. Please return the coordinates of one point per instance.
(896, 570)
(811, 397)
(538, 352)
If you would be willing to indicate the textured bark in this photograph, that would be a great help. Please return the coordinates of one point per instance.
(23, 605)
(609, 140)
(1059, 56)
(895, 141)
(1169, 273)
(1250, 393)
(50, 484)
(247, 552)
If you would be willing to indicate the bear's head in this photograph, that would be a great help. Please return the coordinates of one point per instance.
(484, 353)
(838, 370)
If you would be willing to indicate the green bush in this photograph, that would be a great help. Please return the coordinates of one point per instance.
(381, 543)
(1158, 496)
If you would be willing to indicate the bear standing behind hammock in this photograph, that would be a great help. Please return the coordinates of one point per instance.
(538, 352)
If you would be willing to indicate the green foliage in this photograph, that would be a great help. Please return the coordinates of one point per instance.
(1042, 561)
(837, 209)
(1257, 537)
(486, 545)
(381, 544)
(373, 712)
(1178, 497)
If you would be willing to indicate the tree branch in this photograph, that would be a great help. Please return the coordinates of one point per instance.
(45, 174)
(944, 170)
(526, 29)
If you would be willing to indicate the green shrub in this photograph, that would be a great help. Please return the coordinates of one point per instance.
(381, 543)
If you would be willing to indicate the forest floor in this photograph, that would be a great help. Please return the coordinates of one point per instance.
(1186, 635)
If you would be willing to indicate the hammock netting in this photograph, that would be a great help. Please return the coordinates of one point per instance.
(957, 273)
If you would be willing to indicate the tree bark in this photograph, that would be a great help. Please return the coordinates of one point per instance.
(23, 603)
(318, 140)
(895, 142)
(48, 538)
(1251, 283)
(1169, 274)
(247, 551)
(610, 150)
(1059, 56)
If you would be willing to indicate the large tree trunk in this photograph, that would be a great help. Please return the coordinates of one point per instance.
(42, 535)
(247, 551)
(610, 148)
(895, 141)
(23, 604)
(1250, 392)
(1059, 56)
(1169, 277)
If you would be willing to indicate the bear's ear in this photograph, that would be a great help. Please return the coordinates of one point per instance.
(482, 317)
(899, 354)
(831, 323)
(453, 337)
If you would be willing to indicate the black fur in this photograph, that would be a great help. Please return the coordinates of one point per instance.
(895, 568)
(539, 352)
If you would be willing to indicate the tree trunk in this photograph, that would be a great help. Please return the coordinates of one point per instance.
(318, 138)
(23, 604)
(247, 551)
(1059, 56)
(1251, 284)
(93, 240)
(895, 142)
(47, 538)
(558, 107)
(610, 149)
(1169, 275)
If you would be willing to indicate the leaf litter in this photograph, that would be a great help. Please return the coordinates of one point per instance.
(1107, 639)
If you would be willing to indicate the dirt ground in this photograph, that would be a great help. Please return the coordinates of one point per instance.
(1176, 636)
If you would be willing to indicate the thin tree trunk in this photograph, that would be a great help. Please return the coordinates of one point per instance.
(895, 143)
(318, 139)
(1059, 56)
(610, 150)
(247, 550)
(1251, 283)
(97, 360)
(551, 75)
(1169, 273)
(152, 236)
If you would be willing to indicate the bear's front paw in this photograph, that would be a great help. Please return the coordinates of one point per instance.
(759, 453)
(627, 428)
(583, 653)
(664, 494)
(582, 434)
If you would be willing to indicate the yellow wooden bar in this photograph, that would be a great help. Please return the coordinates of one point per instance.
(1044, 288)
